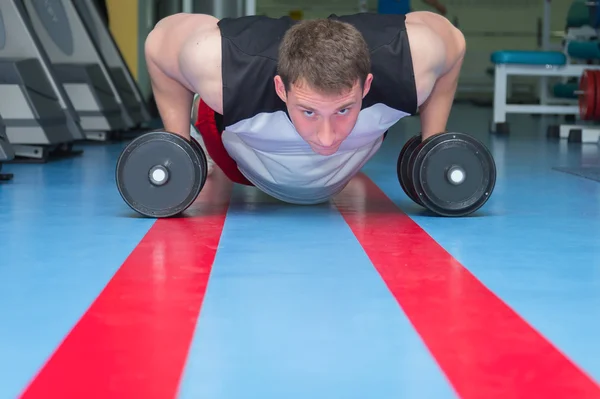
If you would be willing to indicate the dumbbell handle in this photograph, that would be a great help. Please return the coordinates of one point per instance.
(591, 3)
(578, 92)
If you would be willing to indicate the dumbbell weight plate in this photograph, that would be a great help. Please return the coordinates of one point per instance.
(197, 146)
(160, 174)
(453, 174)
(404, 170)
(587, 96)
(596, 107)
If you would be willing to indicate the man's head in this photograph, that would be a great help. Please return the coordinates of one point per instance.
(323, 75)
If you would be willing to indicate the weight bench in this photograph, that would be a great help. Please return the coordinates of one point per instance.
(542, 64)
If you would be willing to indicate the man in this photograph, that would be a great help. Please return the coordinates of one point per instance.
(297, 108)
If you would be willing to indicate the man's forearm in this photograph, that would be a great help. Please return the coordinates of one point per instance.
(173, 100)
(435, 111)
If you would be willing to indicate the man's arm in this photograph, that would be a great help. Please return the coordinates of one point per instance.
(435, 111)
(176, 46)
(173, 99)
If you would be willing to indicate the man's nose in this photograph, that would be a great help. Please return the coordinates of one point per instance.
(326, 135)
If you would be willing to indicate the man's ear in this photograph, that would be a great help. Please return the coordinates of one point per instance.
(280, 88)
(367, 85)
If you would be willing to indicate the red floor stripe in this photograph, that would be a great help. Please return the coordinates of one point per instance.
(484, 348)
(134, 339)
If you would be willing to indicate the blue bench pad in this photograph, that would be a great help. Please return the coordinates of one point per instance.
(528, 57)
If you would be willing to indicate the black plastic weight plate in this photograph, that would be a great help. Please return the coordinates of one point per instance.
(198, 147)
(453, 174)
(202, 155)
(160, 174)
(404, 170)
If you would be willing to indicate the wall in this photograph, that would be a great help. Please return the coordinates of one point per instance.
(123, 26)
(310, 8)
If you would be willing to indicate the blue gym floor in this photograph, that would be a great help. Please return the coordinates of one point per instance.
(304, 302)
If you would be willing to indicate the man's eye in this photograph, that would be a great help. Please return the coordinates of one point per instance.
(343, 111)
(308, 113)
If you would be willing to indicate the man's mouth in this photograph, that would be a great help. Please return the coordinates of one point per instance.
(325, 150)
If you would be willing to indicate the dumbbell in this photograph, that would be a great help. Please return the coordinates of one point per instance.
(451, 174)
(160, 174)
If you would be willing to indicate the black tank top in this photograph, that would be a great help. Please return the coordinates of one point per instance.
(249, 63)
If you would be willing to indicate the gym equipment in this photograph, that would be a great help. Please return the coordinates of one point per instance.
(588, 95)
(160, 174)
(79, 66)
(578, 14)
(565, 90)
(452, 174)
(589, 111)
(35, 108)
(575, 133)
(584, 50)
(120, 74)
(403, 169)
(543, 64)
(6, 152)
(579, 46)
(582, 44)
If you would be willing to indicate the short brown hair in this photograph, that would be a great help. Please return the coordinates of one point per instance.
(327, 54)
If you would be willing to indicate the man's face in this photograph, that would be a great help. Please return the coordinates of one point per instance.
(323, 121)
